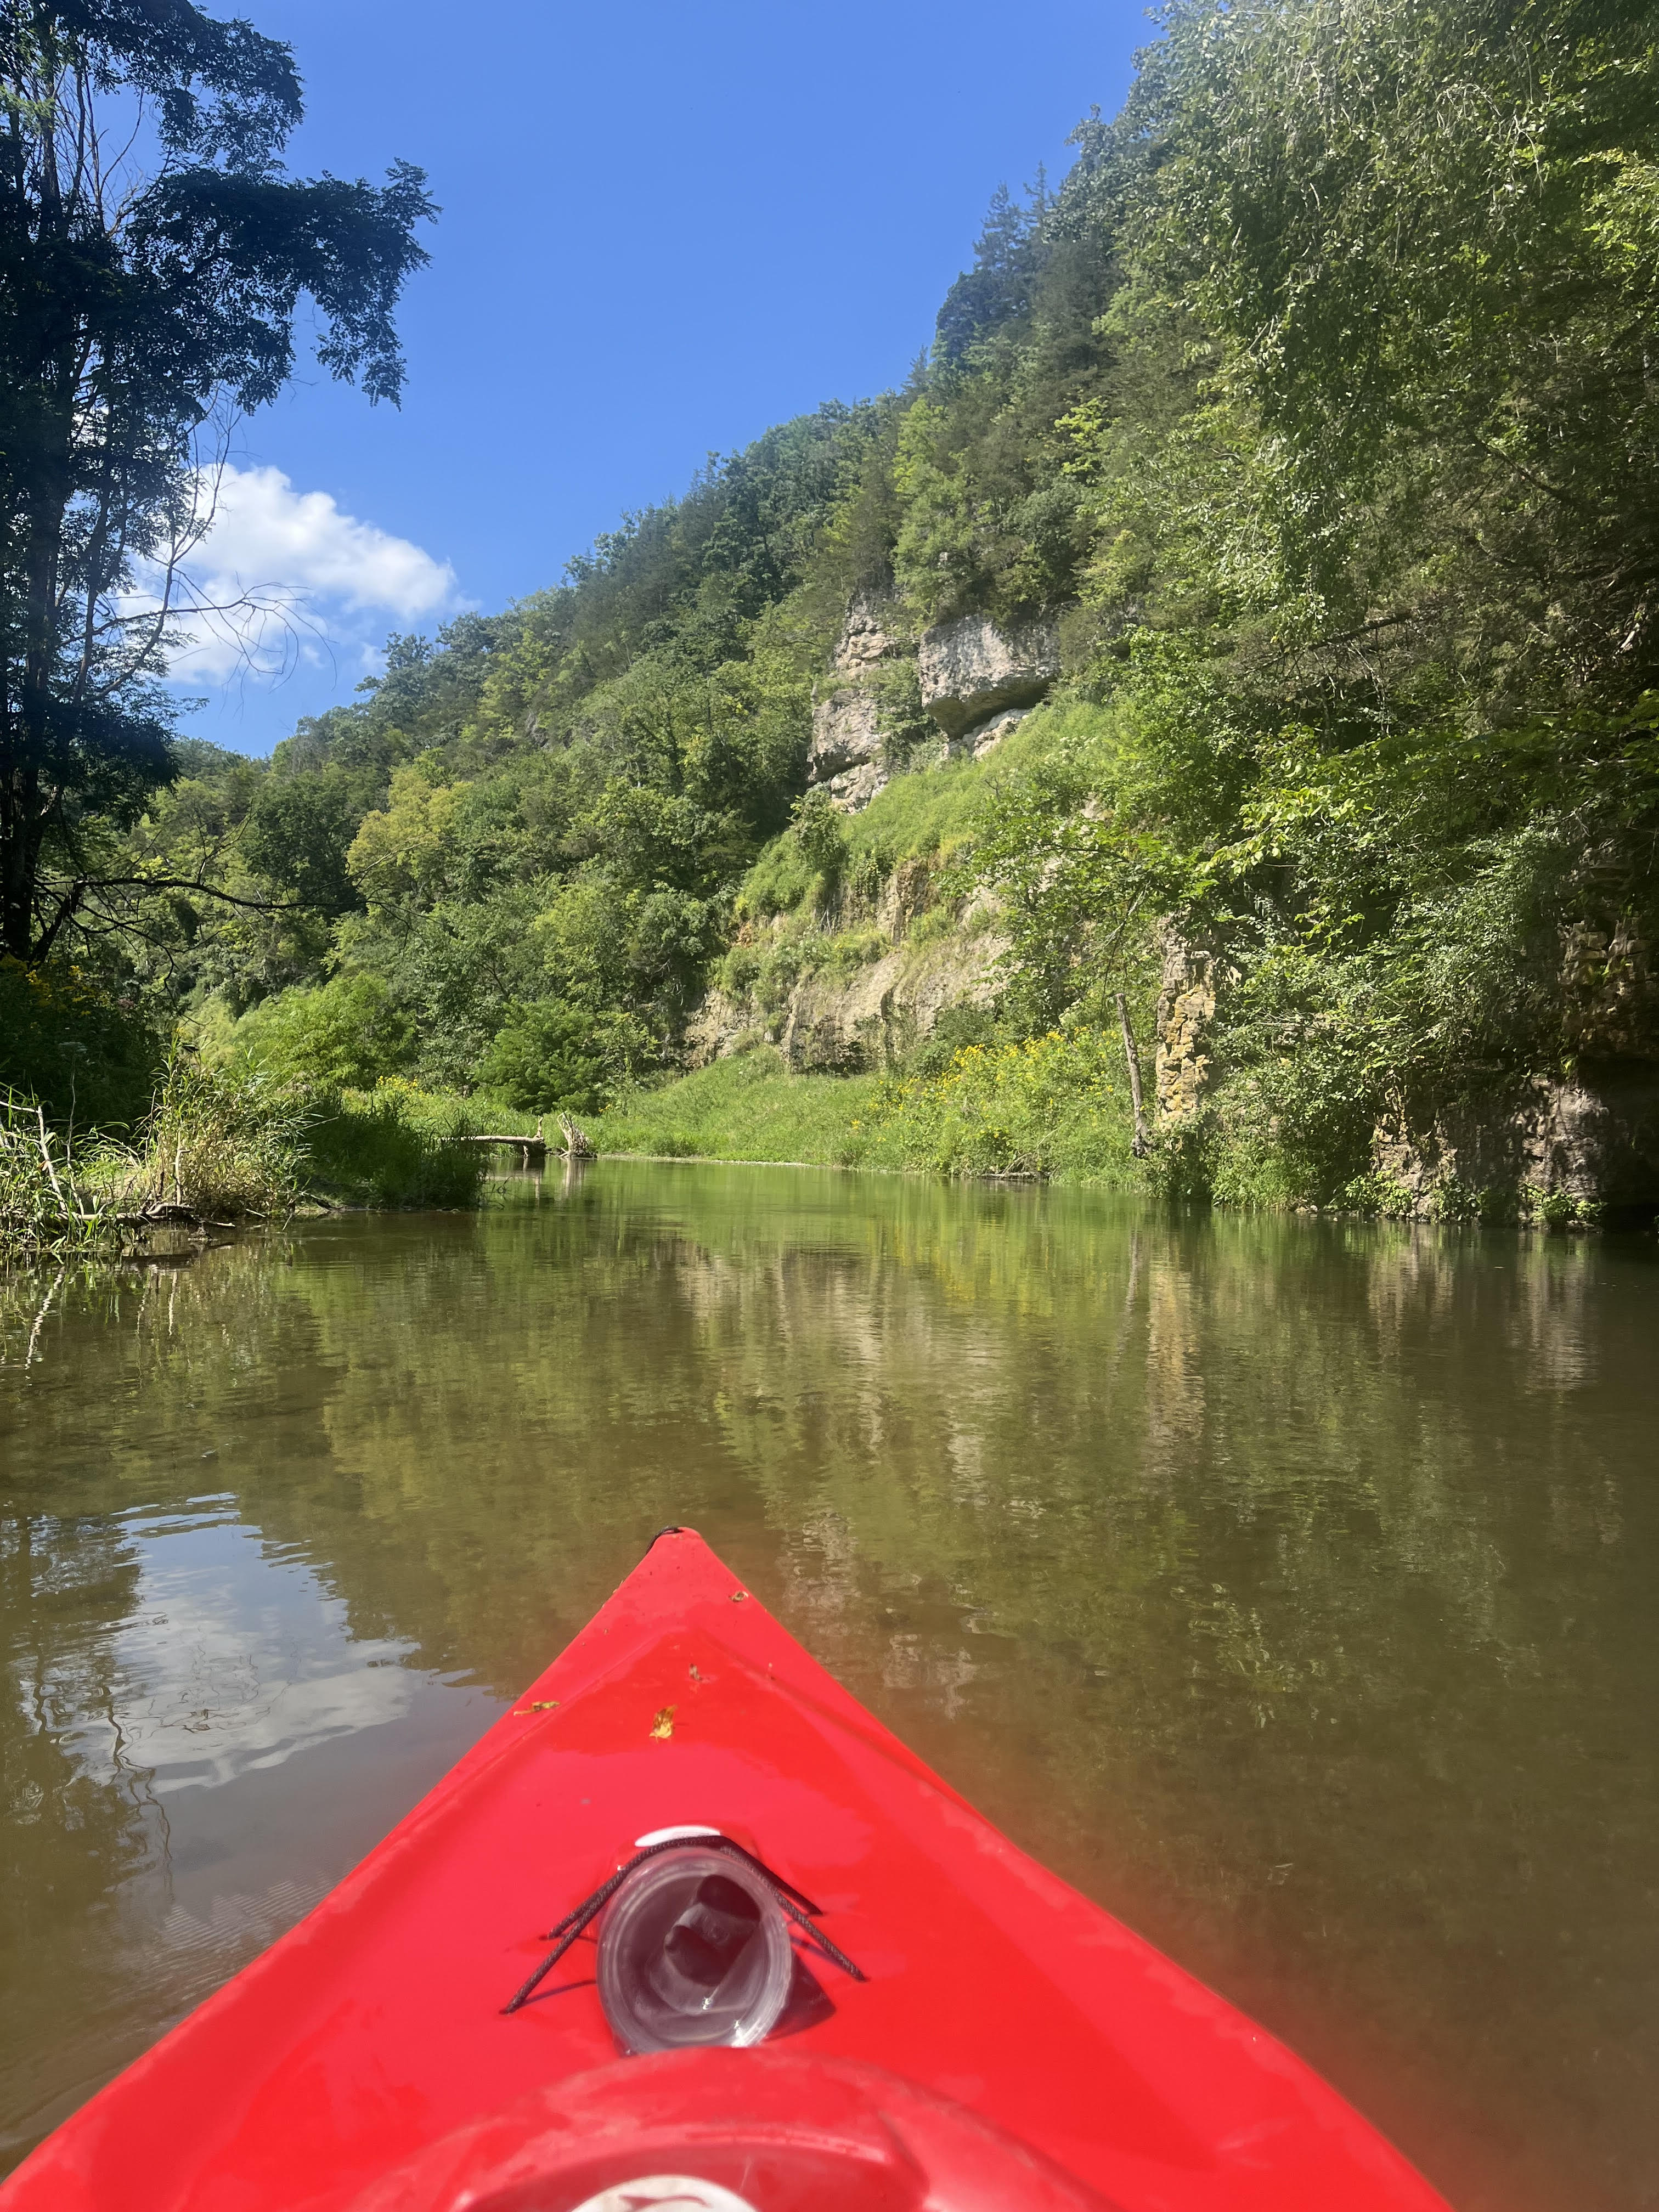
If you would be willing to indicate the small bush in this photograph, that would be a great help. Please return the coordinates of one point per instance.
(821, 834)
(1557, 1210)
(218, 1146)
(397, 1146)
(957, 1028)
(782, 880)
(844, 953)
(550, 1055)
(347, 1033)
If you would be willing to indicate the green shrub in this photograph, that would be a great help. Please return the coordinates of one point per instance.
(782, 880)
(821, 833)
(397, 1145)
(217, 1145)
(1556, 1210)
(957, 1028)
(548, 1056)
(1056, 1104)
(347, 1033)
(847, 951)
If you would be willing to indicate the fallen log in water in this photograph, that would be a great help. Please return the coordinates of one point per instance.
(533, 1148)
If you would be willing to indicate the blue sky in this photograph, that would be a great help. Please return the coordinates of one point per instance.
(664, 227)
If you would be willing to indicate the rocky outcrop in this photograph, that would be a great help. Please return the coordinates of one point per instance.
(985, 737)
(846, 755)
(872, 1019)
(868, 985)
(1579, 1146)
(970, 671)
(867, 637)
(1186, 1008)
(1587, 1140)
(846, 733)
(976, 682)
(1610, 992)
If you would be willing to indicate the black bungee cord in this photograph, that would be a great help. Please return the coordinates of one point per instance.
(795, 1904)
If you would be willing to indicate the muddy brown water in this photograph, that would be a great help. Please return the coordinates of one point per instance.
(1290, 1587)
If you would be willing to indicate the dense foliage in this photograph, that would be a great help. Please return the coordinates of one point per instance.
(1319, 404)
(144, 305)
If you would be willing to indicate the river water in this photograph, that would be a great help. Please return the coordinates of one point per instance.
(1290, 1587)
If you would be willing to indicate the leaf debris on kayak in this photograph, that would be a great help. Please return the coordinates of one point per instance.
(663, 1726)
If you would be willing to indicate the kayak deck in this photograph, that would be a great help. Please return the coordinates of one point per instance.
(376, 2027)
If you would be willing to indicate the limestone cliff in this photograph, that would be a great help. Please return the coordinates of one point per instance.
(1587, 1141)
(847, 752)
(1186, 1009)
(861, 983)
(864, 983)
(974, 681)
(971, 671)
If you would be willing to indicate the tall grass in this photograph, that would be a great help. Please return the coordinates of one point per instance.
(749, 1107)
(1056, 1105)
(219, 1149)
(1052, 1105)
(212, 1148)
(42, 1207)
(396, 1146)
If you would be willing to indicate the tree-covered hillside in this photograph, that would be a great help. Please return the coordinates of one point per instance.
(1317, 405)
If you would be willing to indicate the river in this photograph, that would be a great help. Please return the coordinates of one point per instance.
(1288, 1586)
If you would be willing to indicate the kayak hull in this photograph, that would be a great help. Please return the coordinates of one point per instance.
(374, 2029)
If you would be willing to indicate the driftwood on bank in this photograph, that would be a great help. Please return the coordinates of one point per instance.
(533, 1148)
(577, 1144)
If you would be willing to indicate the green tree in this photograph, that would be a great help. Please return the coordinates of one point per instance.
(347, 1032)
(1008, 254)
(550, 1055)
(140, 313)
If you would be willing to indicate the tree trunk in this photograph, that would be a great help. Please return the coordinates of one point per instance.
(1133, 1059)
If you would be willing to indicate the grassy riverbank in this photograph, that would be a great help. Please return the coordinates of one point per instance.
(1056, 1105)
(217, 1151)
(747, 1108)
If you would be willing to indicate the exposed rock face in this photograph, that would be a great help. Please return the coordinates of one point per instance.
(872, 1019)
(837, 1022)
(984, 737)
(1588, 1138)
(970, 669)
(863, 639)
(1186, 1007)
(846, 733)
(976, 682)
(1593, 1136)
(1611, 992)
(845, 755)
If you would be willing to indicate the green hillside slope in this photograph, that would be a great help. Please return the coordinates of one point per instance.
(1316, 416)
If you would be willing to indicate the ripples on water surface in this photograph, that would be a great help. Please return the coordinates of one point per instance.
(1289, 1587)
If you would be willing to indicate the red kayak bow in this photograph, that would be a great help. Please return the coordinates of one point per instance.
(688, 1841)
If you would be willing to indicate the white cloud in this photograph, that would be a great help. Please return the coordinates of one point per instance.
(265, 533)
(284, 578)
(229, 1664)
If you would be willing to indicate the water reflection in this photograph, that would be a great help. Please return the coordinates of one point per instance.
(1285, 1584)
